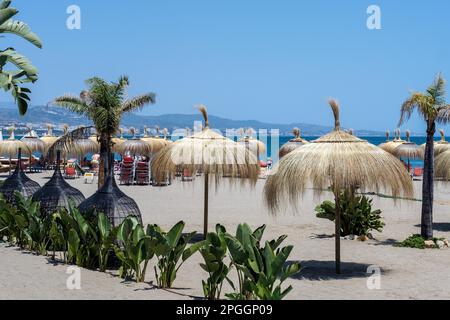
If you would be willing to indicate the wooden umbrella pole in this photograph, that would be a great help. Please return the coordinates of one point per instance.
(338, 231)
(205, 212)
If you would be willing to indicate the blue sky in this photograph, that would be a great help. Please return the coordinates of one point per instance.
(275, 61)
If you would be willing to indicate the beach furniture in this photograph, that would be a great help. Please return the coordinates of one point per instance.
(340, 160)
(57, 193)
(88, 178)
(70, 173)
(187, 175)
(142, 173)
(127, 170)
(418, 172)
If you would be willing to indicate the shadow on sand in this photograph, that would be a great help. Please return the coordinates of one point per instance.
(325, 270)
(439, 226)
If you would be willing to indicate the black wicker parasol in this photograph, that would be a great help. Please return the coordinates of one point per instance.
(110, 200)
(56, 193)
(18, 181)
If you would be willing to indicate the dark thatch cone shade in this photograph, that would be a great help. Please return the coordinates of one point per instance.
(57, 193)
(18, 181)
(111, 201)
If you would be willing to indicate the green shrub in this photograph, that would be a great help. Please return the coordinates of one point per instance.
(135, 249)
(169, 249)
(261, 270)
(416, 241)
(357, 217)
(214, 252)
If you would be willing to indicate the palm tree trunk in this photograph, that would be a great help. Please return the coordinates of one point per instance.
(105, 152)
(428, 184)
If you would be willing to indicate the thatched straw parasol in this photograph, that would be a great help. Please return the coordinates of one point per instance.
(292, 144)
(408, 149)
(33, 143)
(442, 165)
(18, 181)
(49, 138)
(134, 146)
(209, 152)
(439, 146)
(253, 144)
(389, 146)
(341, 161)
(11, 146)
(156, 143)
(57, 193)
(117, 141)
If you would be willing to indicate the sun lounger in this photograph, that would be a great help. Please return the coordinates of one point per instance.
(187, 176)
(70, 173)
(89, 177)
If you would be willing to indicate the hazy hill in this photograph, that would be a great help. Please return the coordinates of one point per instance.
(38, 116)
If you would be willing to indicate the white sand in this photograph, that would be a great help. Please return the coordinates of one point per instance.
(405, 273)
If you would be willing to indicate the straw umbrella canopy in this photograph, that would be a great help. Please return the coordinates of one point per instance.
(49, 138)
(292, 144)
(134, 146)
(209, 152)
(339, 160)
(408, 149)
(389, 146)
(252, 143)
(11, 146)
(117, 141)
(19, 182)
(156, 143)
(442, 165)
(439, 146)
(34, 144)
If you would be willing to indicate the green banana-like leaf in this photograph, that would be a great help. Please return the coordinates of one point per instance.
(173, 236)
(5, 4)
(20, 29)
(6, 14)
(19, 61)
(104, 226)
(192, 249)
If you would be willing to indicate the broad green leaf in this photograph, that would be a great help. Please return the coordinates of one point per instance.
(20, 29)
(173, 236)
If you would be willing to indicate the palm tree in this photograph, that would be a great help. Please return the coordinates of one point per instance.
(25, 72)
(433, 109)
(104, 103)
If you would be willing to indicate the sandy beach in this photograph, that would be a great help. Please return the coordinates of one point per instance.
(405, 273)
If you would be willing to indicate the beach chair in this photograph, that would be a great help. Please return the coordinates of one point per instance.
(70, 173)
(418, 172)
(126, 172)
(88, 178)
(142, 173)
(187, 176)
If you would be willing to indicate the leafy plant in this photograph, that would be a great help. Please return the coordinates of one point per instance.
(12, 80)
(416, 241)
(357, 217)
(214, 252)
(169, 248)
(134, 250)
(261, 270)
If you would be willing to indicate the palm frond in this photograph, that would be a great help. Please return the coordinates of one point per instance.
(137, 103)
(417, 101)
(72, 103)
(437, 90)
(443, 115)
(67, 141)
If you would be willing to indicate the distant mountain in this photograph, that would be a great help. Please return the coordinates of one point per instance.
(38, 116)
